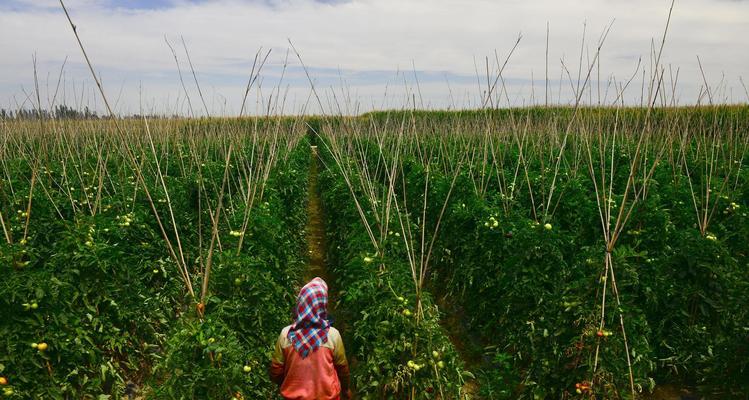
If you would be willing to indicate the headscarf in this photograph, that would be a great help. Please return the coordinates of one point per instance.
(310, 328)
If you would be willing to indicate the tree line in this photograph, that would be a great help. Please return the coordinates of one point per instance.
(59, 112)
(63, 112)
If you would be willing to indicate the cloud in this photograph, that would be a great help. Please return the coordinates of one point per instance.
(369, 45)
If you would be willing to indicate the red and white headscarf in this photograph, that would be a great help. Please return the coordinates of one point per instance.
(310, 328)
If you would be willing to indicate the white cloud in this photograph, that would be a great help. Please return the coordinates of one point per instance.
(435, 36)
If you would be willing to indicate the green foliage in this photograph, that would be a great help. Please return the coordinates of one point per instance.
(102, 292)
(536, 293)
(95, 281)
(204, 359)
(392, 349)
(533, 295)
(252, 295)
(99, 308)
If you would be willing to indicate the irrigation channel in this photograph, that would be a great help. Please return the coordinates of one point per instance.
(316, 246)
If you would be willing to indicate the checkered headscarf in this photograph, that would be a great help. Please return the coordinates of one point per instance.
(310, 328)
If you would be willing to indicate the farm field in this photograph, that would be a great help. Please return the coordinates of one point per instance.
(528, 253)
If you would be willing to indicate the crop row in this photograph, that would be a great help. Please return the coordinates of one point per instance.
(539, 290)
(531, 288)
(398, 348)
(601, 252)
(94, 298)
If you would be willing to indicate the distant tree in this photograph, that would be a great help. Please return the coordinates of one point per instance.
(88, 114)
(31, 114)
(63, 111)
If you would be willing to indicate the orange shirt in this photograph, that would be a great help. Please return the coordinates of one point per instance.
(314, 377)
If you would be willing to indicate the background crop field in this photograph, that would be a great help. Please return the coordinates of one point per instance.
(534, 253)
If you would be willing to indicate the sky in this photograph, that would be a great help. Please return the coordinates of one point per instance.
(361, 55)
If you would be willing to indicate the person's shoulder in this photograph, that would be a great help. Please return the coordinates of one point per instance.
(333, 339)
(285, 330)
(283, 337)
(334, 334)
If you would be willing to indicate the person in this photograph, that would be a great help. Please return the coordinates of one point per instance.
(309, 360)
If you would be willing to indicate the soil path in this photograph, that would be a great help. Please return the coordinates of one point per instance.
(466, 344)
(316, 231)
(316, 248)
